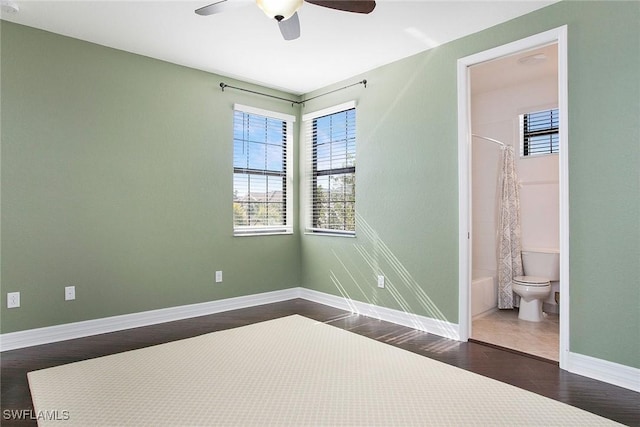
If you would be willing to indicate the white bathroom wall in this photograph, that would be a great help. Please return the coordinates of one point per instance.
(495, 108)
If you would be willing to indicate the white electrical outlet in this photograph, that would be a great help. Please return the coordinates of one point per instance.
(381, 281)
(218, 276)
(13, 299)
(69, 293)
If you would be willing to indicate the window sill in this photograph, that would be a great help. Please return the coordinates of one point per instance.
(323, 233)
(264, 233)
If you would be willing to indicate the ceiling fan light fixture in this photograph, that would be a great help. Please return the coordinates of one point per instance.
(279, 9)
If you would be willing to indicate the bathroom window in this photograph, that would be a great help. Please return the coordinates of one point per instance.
(539, 133)
(330, 138)
(262, 177)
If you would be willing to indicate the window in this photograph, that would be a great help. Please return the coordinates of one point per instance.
(261, 171)
(331, 177)
(540, 133)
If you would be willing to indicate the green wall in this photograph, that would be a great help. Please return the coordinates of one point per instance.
(114, 179)
(604, 165)
(117, 178)
(407, 211)
(407, 179)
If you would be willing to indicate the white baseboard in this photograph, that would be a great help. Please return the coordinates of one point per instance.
(434, 326)
(68, 331)
(598, 369)
(46, 335)
(603, 370)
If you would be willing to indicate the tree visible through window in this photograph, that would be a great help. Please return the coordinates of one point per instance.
(260, 173)
(333, 176)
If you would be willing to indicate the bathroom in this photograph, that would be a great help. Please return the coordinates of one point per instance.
(502, 91)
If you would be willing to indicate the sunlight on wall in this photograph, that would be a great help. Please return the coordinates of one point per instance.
(343, 292)
(375, 254)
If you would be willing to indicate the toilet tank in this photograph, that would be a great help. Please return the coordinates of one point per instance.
(542, 262)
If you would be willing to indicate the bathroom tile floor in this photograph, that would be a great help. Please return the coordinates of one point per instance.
(503, 328)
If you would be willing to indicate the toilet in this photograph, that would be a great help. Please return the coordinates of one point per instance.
(541, 267)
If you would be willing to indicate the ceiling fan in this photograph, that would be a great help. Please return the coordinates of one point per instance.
(286, 11)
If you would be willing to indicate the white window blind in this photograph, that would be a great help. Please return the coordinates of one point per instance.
(262, 167)
(330, 138)
(540, 133)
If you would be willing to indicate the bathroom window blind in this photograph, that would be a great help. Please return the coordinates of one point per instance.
(330, 137)
(261, 172)
(540, 133)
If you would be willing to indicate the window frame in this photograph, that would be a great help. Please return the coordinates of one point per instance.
(289, 188)
(309, 120)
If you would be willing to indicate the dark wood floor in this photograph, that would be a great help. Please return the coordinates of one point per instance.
(531, 374)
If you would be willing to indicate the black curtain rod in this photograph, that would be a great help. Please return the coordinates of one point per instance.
(362, 82)
(223, 86)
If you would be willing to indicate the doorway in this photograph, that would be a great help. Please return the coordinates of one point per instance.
(525, 48)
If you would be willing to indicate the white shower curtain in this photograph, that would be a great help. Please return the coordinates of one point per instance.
(509, 243)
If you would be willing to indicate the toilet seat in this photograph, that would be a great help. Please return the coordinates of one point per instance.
(531, 281)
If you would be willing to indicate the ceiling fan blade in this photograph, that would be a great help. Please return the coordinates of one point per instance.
(356, 6)
(290, 28)
(212, 8)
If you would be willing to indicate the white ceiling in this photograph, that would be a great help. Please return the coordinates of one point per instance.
(243, 43)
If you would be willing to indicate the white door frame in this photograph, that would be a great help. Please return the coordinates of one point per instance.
(559, 36)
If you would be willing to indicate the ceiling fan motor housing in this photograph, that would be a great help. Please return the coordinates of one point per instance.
(279, 9)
